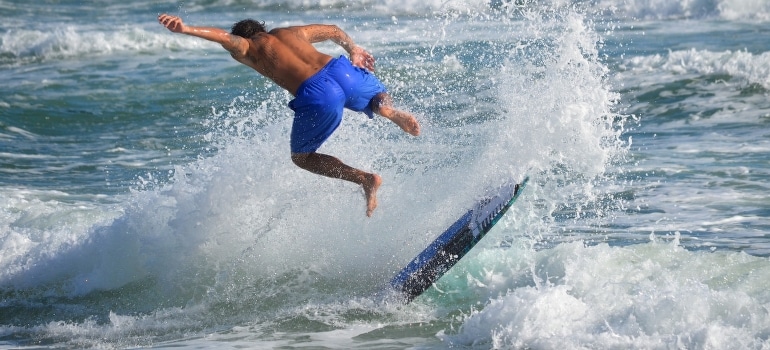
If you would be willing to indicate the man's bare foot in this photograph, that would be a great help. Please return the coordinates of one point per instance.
(407, 122)
(382, 104)
(371, 185)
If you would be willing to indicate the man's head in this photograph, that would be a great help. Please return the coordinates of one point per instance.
(247, 28)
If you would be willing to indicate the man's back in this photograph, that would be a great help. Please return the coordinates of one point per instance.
(285, 56)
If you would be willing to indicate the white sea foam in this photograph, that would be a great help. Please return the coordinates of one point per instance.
(749, 67)
(647, 296)
(69, 41)
(39, 232)
(752, 10)
(650, 296)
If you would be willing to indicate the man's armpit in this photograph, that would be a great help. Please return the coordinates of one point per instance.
(236, 46)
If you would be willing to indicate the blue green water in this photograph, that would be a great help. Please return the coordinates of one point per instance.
(147, 198)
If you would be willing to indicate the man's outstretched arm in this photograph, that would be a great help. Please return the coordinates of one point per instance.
(233, 43)
(322, 32)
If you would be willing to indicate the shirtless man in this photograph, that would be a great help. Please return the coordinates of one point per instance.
(322, 86)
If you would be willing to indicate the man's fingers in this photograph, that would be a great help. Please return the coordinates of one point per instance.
(167, 19)
(369, 63)
(363, 60)
(172, 23)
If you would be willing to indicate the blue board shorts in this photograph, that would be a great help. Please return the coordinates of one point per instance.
(320, 99)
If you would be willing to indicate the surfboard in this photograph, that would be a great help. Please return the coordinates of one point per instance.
(446, 250)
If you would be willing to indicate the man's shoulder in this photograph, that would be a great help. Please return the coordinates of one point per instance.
(283, 30)
(287, 35)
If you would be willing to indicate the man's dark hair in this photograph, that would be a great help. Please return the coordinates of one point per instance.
(247, 28)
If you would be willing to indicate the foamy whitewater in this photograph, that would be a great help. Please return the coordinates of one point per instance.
(147, 198)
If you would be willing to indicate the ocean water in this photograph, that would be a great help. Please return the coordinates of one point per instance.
(147, 198)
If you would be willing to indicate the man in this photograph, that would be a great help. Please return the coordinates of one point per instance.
(321, 85)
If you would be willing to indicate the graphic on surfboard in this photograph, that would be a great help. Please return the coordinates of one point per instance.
(455, 242)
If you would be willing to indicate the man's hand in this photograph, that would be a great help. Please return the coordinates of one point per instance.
(360, 58)
(173, 23)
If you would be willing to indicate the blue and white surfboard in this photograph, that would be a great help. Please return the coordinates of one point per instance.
(455, 242)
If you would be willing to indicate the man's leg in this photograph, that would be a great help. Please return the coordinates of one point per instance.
(382, 104)
(327, 165)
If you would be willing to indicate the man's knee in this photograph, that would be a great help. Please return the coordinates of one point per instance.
(300, 159)
(381, 103)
